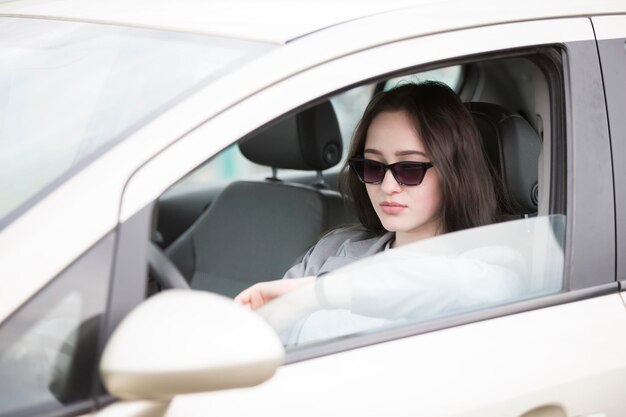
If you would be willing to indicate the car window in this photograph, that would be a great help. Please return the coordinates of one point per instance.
(349, 107)
(455, 273)
(108, 101)
(519, 257)
(231, 164)
(48, 349)
(448, 275)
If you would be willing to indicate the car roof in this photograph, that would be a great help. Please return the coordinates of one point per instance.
(280, 21)
(276, 21)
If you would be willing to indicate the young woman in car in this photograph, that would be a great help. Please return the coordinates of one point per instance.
(416, 169)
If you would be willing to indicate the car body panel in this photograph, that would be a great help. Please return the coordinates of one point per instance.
(609, 27)
(241, 19)
(501, 367)
(280, 21)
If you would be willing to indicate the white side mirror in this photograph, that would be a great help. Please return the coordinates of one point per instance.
(180, 342)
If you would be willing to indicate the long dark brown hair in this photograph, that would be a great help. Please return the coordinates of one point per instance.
(453, 144)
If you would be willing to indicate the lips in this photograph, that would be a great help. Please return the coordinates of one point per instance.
(390, 207)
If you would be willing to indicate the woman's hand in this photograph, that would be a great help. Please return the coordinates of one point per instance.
(264, 292)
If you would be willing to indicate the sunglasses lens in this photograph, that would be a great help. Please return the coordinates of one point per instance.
(368, 171)
(373, 172)
(410, 174)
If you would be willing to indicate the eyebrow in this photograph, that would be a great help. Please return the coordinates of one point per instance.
(399, 153)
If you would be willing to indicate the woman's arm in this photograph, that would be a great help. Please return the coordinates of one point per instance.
(263, 292)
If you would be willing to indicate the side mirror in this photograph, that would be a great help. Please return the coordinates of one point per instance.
(180, 342)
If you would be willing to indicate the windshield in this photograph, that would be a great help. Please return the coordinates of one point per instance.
(444, 276)
(69, 91)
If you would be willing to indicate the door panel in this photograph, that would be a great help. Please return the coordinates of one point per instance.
(569, 355)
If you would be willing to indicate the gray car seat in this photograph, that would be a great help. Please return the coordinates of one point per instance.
(513, 148)
(254, 230)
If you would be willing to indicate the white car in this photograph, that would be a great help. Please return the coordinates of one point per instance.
(136, 138)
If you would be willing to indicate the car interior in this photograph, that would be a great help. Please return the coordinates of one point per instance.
(269, 223)
(222, 229)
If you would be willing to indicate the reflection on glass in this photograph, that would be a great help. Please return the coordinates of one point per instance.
(447, 275)
(75, 91)
(48, 348)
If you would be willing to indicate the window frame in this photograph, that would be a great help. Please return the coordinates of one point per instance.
(611, 39)
(590, 227)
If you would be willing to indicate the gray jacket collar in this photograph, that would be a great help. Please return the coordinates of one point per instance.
(363, 248)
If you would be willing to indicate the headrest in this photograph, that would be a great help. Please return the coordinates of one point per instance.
(513, 148)
(309, 140)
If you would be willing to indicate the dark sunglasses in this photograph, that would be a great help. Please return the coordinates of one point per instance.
(405, 173)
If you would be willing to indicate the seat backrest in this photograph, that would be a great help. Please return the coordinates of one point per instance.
(513, 148)
(255, 230)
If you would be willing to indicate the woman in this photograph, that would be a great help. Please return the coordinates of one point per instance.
(415, 169)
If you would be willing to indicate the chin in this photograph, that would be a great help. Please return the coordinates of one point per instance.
(394, 226)
(397, 225)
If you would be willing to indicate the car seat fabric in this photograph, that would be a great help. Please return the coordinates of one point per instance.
(252, 232)
(513, 148)
(255, 230)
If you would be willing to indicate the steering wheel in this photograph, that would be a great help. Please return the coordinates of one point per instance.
(163, 269)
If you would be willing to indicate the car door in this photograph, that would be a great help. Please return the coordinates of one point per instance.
(559, 354)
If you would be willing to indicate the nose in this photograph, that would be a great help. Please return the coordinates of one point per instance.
(389, 184)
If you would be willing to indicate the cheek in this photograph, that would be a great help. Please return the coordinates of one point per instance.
(428, 194)
(436, 191)
(435, 184)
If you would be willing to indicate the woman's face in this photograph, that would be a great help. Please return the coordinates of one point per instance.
(413, 212)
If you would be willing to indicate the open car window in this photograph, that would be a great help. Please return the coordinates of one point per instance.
(231, 165)
(236, 226)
